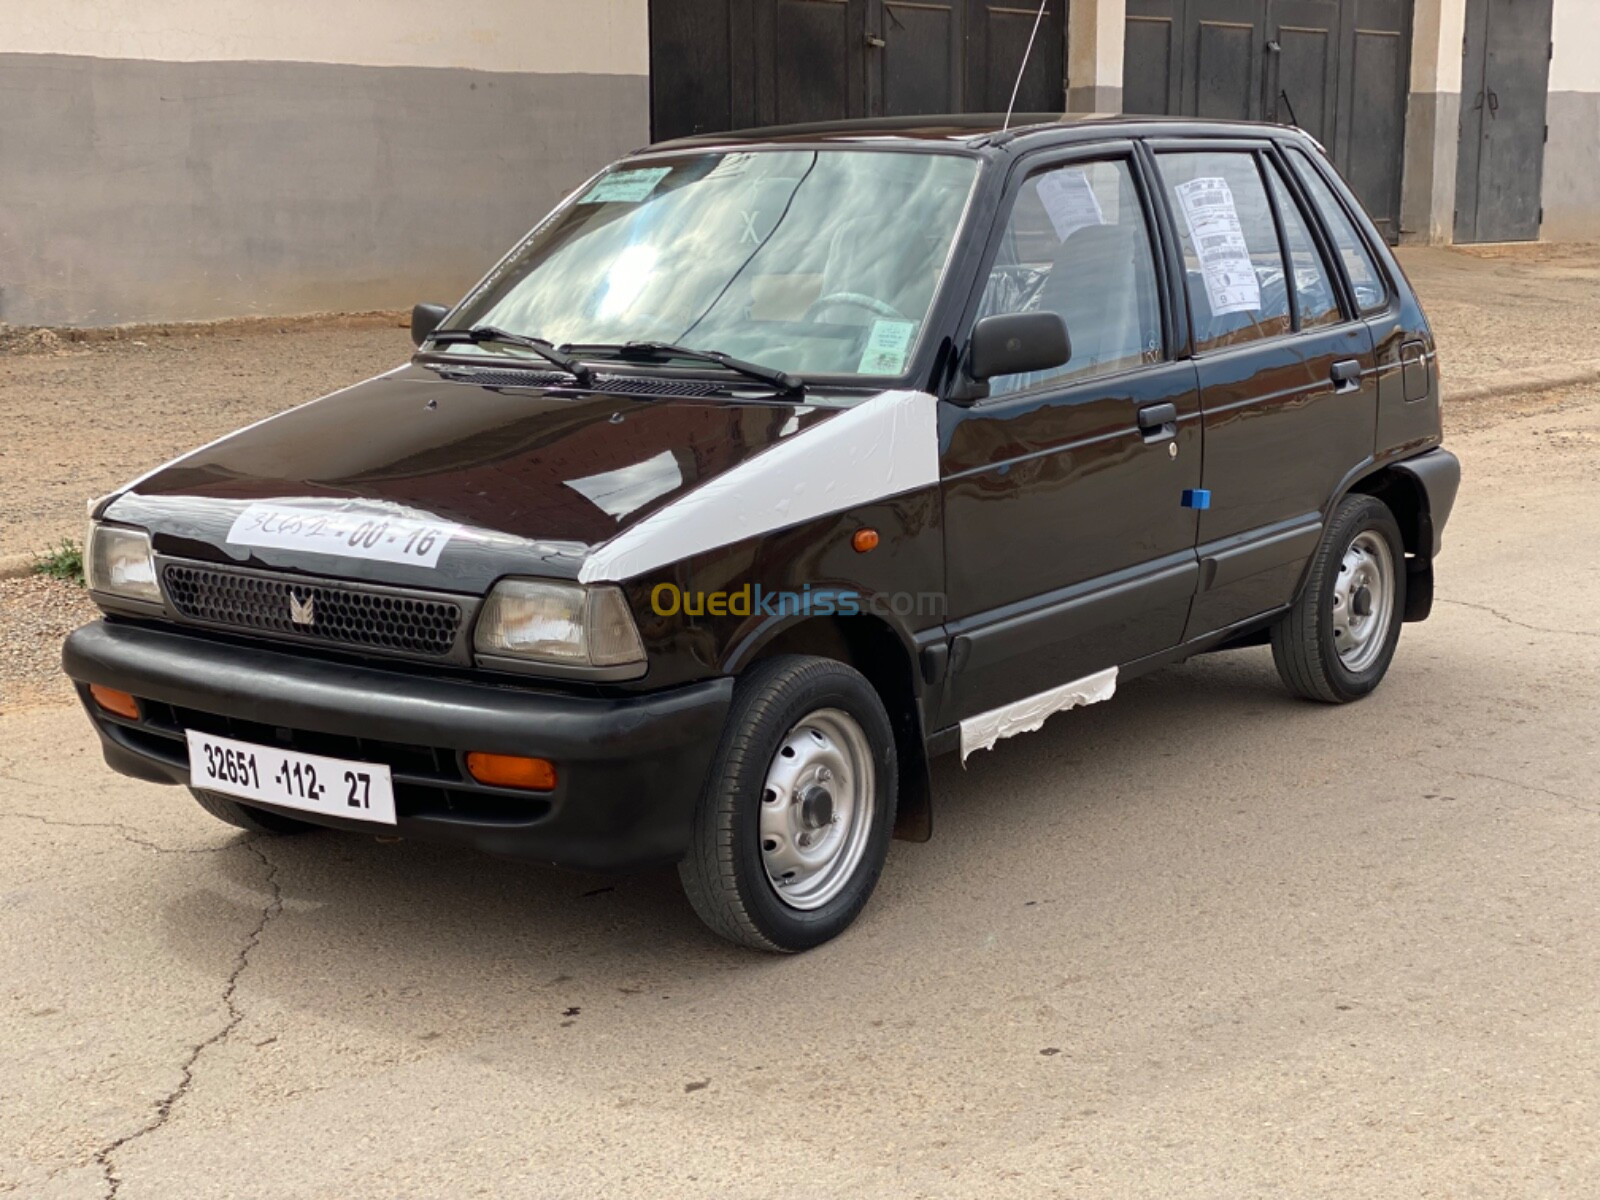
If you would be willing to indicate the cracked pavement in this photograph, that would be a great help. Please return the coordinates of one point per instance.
(1200, 941)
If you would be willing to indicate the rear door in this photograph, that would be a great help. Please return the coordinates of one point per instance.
(1288, 389)
(1068, 547)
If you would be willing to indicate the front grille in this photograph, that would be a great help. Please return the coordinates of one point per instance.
(341, 614)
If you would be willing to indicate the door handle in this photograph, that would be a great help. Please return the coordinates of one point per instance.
(875, 42)
(1346, 376)
(1158, 422)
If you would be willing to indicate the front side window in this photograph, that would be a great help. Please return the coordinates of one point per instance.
(1078, 245)
(1371, 294)
(816, 262)
(1231, 257)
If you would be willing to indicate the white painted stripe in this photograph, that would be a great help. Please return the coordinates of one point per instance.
(880, 448)
(1024, 716)
(596, 37)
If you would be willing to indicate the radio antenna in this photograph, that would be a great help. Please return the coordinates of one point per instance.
(1022, 70)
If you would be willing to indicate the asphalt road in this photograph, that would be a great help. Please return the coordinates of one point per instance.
(1203, 940)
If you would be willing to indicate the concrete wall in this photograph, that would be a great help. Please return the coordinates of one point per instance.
(1572, 157)
(1433, 120)
(184, 159)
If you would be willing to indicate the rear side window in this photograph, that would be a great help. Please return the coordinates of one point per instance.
(1313, 284)
(1371, 293)
(1078, 244)
(1238, 290)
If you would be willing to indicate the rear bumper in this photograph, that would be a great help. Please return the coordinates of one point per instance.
(630, 770)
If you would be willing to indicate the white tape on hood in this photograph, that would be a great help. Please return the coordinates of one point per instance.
(1024, 716)
(882, 447)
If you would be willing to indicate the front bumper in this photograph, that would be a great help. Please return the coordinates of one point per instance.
(630, 770)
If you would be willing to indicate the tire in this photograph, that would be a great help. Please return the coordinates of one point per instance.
(1325, 647)
(800, 730)
(242, 816)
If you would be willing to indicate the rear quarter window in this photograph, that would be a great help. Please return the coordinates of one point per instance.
(1371, 292)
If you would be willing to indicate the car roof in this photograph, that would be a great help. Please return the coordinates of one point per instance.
(980, 129)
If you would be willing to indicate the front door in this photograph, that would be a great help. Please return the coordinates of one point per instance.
(1288, 384)
(1068, 546)
(1505, 74)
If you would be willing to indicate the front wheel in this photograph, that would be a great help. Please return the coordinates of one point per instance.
(1335, 644)
(794, 824)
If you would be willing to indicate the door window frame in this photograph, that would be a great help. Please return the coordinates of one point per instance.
(1356, 218)
(1029, 166)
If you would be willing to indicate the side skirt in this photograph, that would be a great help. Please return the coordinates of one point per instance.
(981, 732)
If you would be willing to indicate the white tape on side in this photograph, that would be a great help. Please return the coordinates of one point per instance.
(880, 448)
(1024, 716)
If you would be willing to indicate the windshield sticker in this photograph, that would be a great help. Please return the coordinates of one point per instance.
(377, 536)
(1230, 277)
(1069, 202)
(627, 187)
(887, 347)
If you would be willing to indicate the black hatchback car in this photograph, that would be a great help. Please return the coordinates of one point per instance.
(766, 468)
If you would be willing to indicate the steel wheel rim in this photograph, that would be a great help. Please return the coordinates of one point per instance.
(817, 804)
(1363, 601)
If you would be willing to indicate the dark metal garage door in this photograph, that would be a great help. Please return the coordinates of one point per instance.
(1336, 68)
(1505, 77)
(732, 64)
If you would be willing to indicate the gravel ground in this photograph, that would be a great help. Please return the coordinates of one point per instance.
(37, 614)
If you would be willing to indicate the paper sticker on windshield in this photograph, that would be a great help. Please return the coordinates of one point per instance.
(1069, 202)
(626, 186)
(379, 536)
(1230, 276)
(887, 346)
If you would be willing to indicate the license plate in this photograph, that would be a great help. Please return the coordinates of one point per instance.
(357, 791)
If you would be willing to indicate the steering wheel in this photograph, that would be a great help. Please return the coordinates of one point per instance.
(855, 300)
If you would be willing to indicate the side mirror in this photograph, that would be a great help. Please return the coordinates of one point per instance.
(425, 319)
(1011, 343)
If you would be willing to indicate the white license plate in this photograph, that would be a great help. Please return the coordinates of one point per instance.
(357, 791)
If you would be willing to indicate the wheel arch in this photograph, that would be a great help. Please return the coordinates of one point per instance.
(873, 646)
(1405, 494)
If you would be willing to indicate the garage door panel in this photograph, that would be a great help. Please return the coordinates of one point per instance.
(813, 60)
(922, 58)
(1148, 81)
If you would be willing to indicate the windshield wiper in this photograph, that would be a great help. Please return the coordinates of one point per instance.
(480, 334)
(782, 380)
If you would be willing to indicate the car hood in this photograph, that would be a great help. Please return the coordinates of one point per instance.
(533, 477)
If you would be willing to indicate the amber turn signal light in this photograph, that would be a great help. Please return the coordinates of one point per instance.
(864, 540)
(513, 771)
(113, 701)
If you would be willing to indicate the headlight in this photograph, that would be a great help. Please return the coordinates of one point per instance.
(558, 623)
(119, 562)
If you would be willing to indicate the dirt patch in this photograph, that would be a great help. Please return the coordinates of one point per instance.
(35, 614)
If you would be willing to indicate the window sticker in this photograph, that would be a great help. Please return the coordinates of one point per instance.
(1069, 201)
(887, 346)
(628, 187)
(1230, 277)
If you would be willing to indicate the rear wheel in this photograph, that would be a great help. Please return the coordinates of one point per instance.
(1336, 643)
(256, 820)
(795, 821)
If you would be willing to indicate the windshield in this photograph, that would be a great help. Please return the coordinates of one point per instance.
(815, 262)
